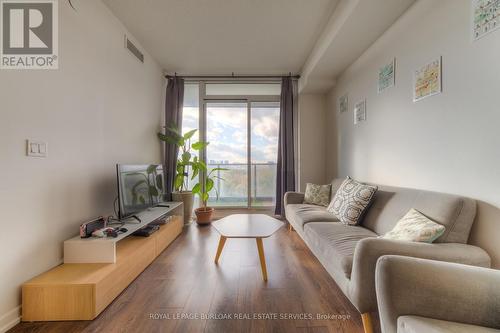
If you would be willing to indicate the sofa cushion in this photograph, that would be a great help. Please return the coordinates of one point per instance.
(317, 194)
(305, 213)
(351, 201)
(415, 227)
(416, 324)
(390, 204)
(337, 241)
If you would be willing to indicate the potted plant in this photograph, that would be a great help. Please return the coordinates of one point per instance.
(204, 213)
(186, 159)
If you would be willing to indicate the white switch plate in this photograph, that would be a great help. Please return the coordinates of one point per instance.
(36, 148)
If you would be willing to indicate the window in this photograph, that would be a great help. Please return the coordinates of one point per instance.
(243, 89)
(241, 121)
(191, 117)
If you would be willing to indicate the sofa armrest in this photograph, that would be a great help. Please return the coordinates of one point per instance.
(293, 198)
(438, 290)
(367, 252)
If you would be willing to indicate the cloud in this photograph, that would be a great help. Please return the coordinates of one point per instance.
(234, 153)
(235, 117)
(265, 154)
(265, 123)
(227, 132)
(189, 119)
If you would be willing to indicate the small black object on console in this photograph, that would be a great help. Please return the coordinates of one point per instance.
(146, 231)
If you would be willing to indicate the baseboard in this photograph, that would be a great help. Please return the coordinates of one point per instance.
(10, 319)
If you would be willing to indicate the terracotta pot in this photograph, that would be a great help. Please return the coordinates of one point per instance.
(186, 197)
(204, 215)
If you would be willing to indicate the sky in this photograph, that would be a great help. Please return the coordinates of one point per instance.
(227, 131)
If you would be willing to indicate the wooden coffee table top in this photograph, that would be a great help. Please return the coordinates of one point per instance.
(247, 226)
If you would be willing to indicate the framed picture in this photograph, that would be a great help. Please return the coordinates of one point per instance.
(386, 76)
(485, 17)
(427, 80)
(343, 103)
(360, 112)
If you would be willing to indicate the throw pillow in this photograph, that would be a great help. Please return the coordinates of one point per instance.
(415, 227)
(317, 194)
(351, 201)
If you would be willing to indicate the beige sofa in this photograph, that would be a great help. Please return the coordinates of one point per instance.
(350, 253)
(419, 295)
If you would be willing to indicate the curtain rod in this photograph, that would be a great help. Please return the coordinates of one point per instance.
(232, 76)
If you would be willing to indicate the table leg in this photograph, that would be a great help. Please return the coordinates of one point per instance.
(222, 241)
(260, 247)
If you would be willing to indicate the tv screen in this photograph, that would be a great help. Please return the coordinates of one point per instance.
(139, 187)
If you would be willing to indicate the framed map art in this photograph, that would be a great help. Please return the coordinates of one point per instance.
(485, 17)
(386, 76)
(427, 80)
(343, 102)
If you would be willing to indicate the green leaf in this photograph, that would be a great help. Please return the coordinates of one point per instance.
(168, 139)
(189, 134)
(195, 173)
(209, 185)
(142, 200)
(199, 145)
(179, 180)
(202, 166)
(161, 136)
(196, 188)
(204, 197)
(186, 156)
(172, 128)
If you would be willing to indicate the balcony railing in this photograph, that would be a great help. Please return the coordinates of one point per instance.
(232, 184)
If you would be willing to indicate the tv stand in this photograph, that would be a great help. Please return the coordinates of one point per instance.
(97, 270)
(103, 250)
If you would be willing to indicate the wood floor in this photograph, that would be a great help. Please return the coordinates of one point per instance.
(183, 284)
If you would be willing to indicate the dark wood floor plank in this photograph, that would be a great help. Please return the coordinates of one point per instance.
(184, 280)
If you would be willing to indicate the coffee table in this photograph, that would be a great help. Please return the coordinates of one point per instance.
(256, 226)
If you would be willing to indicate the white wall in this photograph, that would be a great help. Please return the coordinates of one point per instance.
(100, 108)
(449, 142)
(312, 146)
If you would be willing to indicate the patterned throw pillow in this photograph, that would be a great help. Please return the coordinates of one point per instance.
(415, 227)
(317, 194)
(351, 201)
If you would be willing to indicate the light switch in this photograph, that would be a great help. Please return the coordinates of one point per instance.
(36, 148)
(42, 148)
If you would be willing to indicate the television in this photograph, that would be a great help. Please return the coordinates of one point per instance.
(139, 188)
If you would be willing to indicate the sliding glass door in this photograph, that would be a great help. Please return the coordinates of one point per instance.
(241, 121)
(226, 130)
(264, 127)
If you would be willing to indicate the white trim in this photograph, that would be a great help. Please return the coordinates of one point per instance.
(10, 319)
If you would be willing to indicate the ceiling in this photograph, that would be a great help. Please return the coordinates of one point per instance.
(224, 36)
(205, 37)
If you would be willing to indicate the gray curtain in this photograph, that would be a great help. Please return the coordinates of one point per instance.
(174, 101)
(285, 177)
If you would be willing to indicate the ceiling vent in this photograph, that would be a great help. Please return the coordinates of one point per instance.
(134, 50)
